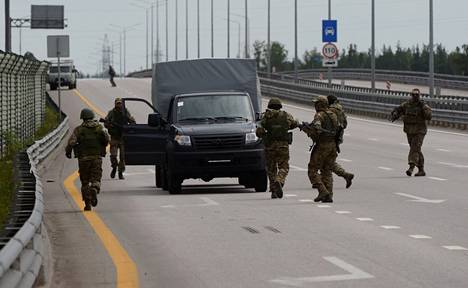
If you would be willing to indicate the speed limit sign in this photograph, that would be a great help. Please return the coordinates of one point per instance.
(330, 51)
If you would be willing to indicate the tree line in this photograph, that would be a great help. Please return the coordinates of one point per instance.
(405, 59)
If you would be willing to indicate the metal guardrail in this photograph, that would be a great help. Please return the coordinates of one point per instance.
(405, 77)
(22, 97)
(22, 255)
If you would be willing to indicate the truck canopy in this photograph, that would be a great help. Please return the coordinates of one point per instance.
(204, 75)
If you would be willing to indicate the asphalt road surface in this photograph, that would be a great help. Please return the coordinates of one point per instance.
(387, 230)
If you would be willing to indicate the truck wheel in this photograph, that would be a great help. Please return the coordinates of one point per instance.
(53, 87)
(157, 176)
(174, 183)
(164, 181)
(261, 182)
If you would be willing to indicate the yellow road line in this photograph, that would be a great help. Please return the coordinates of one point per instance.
(91, 105)
(127, 273)
(126, 269)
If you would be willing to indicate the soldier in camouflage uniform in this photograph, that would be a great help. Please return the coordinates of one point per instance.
(335, 107)
(115, 119)
(88, 141)
(322, 130)
(415, 114)
(274, 128)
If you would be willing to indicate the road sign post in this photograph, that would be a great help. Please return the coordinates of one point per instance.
(58, 46)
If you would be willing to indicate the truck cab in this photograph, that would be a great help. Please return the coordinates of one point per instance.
(203, 132)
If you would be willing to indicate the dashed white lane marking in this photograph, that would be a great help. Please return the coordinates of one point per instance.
(290, 195)
(365, 219)
(306, 200)
(385, 168)
(343, 212)
(420, 236)
(437, 178)
(443, 150)
(354, 273)
(373, 139)
(323, 206)
(344, 160)
(454, 165)
(420, 199)
(347, 135)
(297, 168)
(403, 144)
(459, 248)
(388, 227)
(207, 202)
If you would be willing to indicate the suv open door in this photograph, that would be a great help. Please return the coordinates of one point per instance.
(145, 144)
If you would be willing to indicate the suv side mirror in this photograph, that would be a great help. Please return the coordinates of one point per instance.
(258, 116)
(154, 120)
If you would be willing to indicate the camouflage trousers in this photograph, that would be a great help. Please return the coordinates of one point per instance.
(115, 146)
(277, 162)
(415, 156)
(339, 170)
(90, 170)
(322, 159)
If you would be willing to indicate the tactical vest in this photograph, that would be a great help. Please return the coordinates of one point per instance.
(90, 141)
(339, 114)
(414, 113)
(118, 120)
(329, 126)
(277, 127)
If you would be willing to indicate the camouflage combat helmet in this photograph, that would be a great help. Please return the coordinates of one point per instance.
(86, 114)
(331, 99)
(275, 103)
(321, 103)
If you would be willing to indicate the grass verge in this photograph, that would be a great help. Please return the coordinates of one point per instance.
(7, 184)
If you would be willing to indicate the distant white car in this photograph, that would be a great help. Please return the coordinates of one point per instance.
(329, 31)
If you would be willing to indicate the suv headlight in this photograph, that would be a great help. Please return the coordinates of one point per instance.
(251, 138)
(183, 140)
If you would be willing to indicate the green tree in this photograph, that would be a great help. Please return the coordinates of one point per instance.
(279, 56)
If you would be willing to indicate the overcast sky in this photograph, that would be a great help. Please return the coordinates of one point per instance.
(404, 21)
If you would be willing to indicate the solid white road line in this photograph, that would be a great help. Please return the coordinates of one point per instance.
(388, 227)
(460, 248)
(437, 178)
(354, 273)
(365, 219)
(420, 236)
(385, 168)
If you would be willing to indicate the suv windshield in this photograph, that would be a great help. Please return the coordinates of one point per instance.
(63, 69)
(214, 108)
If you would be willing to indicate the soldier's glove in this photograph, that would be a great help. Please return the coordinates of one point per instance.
(68, 155)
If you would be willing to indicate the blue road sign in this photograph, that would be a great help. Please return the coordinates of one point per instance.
(329, 31)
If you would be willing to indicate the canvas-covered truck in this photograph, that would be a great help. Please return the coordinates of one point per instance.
(203, 124)
(67, 74)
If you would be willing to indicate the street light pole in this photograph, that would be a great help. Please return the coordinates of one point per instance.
(228, 28)
(167, 32)
(186, 29)
(7, 27)
(212, 30)
(147, 32)
(198, 29)
(125, 51)
(246, 30)
(295, 40)
(373, 48)
(268, 41)
(329, 68)
(431, 48)
(152, 35)
(176, 28)
(157, 34)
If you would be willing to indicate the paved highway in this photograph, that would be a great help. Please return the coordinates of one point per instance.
(387, 230)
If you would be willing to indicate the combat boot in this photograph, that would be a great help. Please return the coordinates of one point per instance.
(327, 199)
(349, 180)
(114, 170)
(121, 177)
(323, 193)
(93, 195)
(273, 195)
(409, 172)
(421, 172)
(279, 190)
(87, 206)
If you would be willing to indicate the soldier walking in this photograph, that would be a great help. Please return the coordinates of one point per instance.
(273, 129)
(114, 121)
(322, 130)
(336, 107)
(112, 75)
(415, 114)
(88, 141)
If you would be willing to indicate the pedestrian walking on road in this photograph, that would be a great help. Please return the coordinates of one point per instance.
(114, 122)
(112, 75)
(415, 114)
(322, 130)
(274, 130)
(88, 142)
(337, 108)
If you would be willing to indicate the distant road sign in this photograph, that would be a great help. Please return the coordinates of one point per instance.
(330, 62)
(329, 31)
(330, 51)
(58, 46)
(47, 17)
